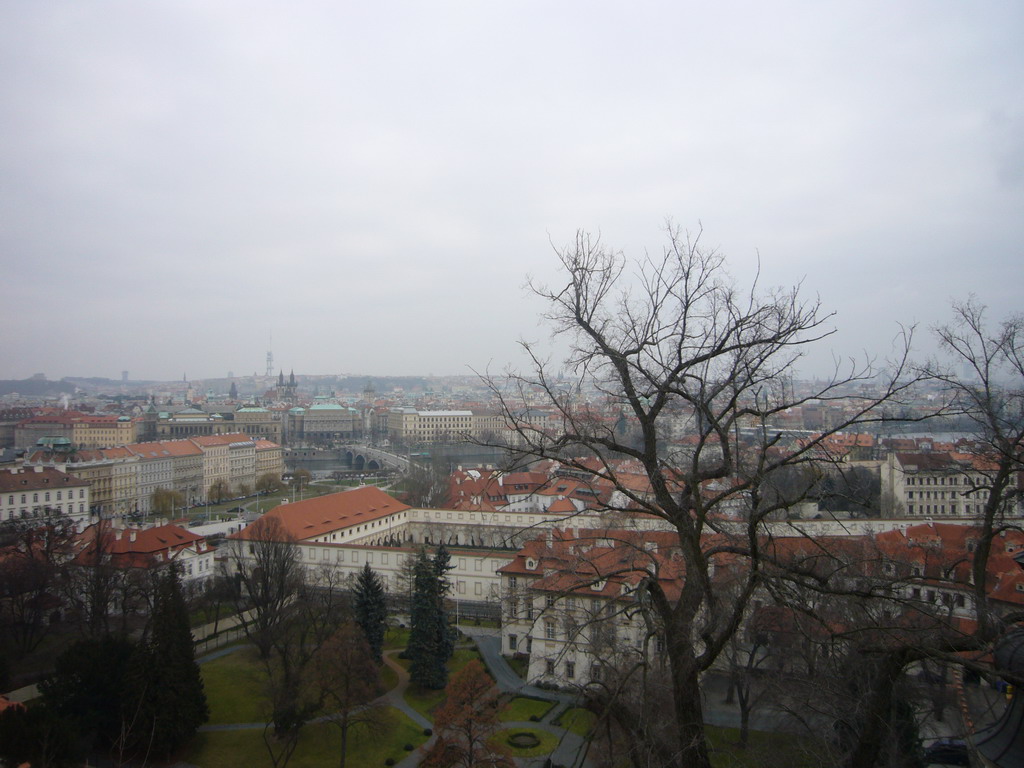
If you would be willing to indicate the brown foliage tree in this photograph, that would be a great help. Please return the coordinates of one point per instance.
(465, 723)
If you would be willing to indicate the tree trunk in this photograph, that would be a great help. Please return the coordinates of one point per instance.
(744, 702)
(689, 713)
(344, 739)
(871, 728)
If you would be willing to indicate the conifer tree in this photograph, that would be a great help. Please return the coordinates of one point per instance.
(431, 641)
(442, 563)
(166, 701)
(371, 609)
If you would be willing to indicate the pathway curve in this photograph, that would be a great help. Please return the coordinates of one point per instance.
(571, 749)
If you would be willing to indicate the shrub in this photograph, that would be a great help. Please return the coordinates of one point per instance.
(408, 747)
(389, 761)
(523, 740)
(428, 732)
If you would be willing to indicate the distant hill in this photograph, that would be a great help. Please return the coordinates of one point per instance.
(35, 387)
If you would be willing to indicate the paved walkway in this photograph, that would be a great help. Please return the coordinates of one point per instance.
(571, 749)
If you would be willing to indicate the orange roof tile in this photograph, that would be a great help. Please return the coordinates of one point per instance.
(303, 520)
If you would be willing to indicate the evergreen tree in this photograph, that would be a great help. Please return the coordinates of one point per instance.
(431, 641)
(446, 635)
(87, 687)
(165, 702)
(371, 609)
(422, 649)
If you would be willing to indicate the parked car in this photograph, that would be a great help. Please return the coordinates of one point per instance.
(947, 752)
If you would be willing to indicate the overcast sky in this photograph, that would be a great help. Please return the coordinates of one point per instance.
(371, 183)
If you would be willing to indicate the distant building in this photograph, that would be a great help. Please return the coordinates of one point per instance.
(938, 485)
(43, 494)
(409, 426)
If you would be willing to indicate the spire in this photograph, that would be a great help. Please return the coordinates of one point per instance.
(280, 379)
(291, 379)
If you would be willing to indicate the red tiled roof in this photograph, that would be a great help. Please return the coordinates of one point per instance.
(302, 520)
(37, 479)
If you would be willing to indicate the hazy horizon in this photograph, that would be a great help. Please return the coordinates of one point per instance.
(371, 185)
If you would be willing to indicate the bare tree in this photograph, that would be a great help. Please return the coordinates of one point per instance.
(165, 501)
(349, 679)
(674, 331)
(32, 560)
(266, 570)
(991, 396)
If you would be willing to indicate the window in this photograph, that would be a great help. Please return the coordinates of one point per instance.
(513, 642)
(570, 669)
(550, 601)
(549, 667)
(549, 630)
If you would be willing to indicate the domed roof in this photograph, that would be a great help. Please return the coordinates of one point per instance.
(252, 409)
(297, 409)
(327, 407)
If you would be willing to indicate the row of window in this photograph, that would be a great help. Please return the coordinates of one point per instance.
(24, 512)
(940, 509)
(46, 496)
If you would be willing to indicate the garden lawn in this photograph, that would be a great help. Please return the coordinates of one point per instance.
(522, 707)
(425, 700)
(318, 746)
(578, 720)
(235, 687)
(548, 741)
(764, 750)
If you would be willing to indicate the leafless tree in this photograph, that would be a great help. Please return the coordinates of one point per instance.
(349, 678)
(32, 575)
(673, 330)
(266, 570)
(991, 395)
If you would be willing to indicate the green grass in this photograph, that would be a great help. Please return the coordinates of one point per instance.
(548, 741)
(318, 746)
(236, 688)
(578, 720)
(388, 678)
(396, 637)
(764, 750)
(521, 708)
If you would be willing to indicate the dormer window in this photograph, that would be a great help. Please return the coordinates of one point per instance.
(597, 586)
(531, 564)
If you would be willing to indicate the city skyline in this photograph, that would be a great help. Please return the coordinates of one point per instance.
(372, 186)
